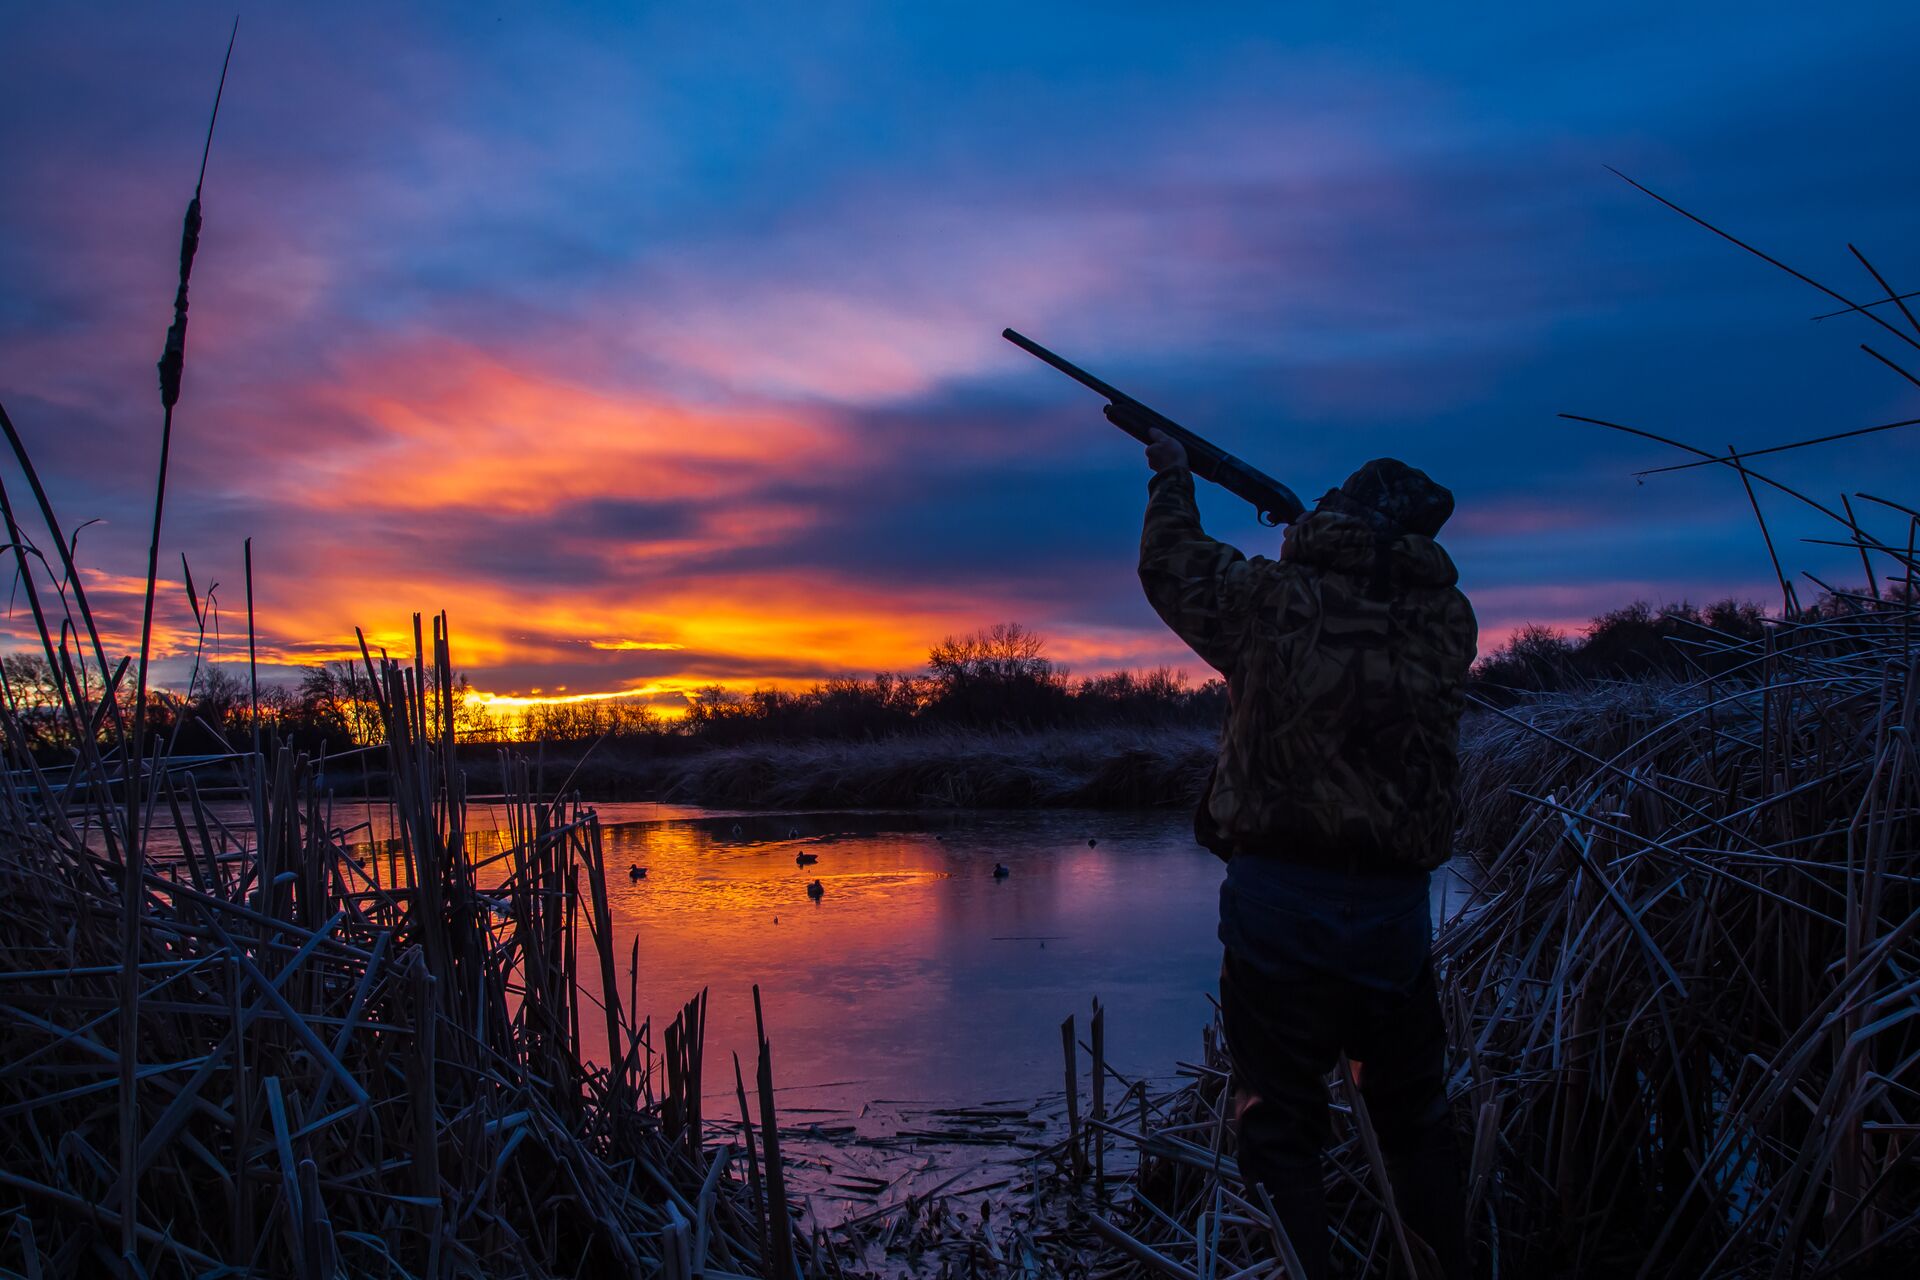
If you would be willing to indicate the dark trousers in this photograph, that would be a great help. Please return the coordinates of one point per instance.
(1330, 963)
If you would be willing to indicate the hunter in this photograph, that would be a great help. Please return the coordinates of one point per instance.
(1332, 800)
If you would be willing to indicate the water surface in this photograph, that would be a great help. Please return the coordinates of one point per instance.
(918, 974)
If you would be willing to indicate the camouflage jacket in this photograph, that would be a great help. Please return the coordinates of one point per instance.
(1344, 662)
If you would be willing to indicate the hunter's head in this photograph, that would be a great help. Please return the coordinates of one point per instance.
(1392, 497)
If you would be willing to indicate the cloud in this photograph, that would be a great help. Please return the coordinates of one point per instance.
(657, 361)
(643, 646)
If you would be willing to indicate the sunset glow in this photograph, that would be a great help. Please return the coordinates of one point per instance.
(650, 394)
(627, 698)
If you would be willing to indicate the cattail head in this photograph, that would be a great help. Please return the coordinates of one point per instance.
(173, 357)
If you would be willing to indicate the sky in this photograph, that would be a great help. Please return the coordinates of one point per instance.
(659, 344)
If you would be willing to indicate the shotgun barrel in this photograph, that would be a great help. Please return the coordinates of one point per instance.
(1272, 501)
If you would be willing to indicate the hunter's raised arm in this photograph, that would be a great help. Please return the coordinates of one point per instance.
(1197, 584)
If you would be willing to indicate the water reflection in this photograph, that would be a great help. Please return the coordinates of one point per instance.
(916, 974)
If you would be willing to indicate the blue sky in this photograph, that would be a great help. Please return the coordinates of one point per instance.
(678, 326)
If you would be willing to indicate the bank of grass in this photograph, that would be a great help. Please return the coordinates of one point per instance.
(1098, 768)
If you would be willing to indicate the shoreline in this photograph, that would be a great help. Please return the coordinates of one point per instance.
(1106, 768)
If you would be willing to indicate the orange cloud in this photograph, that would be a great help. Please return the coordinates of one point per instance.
(455, 427)
(628, 646)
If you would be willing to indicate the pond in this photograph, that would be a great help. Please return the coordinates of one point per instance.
(918, 975)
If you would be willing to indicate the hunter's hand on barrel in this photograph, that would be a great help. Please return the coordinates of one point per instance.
(1164, 453)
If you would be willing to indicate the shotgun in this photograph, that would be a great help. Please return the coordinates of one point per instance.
(1273, 502)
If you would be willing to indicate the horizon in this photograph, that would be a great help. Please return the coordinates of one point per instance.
(661, 364)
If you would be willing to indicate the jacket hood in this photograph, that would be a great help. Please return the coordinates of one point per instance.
(1346, 544)
(1397, 497)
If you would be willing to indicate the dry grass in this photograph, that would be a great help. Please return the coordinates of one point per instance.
(369, 1068)
(1684, 993)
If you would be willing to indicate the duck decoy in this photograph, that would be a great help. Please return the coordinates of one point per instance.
(1000, 871)
(1092, 841)
(816, 891)
(805, 859)
(636, 872)
(793, 833)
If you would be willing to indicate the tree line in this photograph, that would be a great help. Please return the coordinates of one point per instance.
(1641, 641)
(997, 677)
(331, 704)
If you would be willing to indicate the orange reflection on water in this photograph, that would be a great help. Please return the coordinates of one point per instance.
(918, 974)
